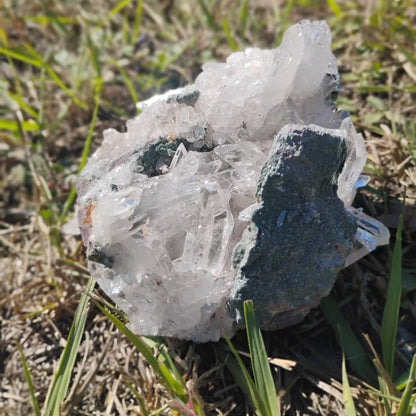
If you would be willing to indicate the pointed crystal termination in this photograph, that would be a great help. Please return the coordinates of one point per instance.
(177, 213)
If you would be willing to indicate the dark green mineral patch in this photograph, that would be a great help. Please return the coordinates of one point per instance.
(160, 153)
(98, 255)
(189, 98)
(299, 236)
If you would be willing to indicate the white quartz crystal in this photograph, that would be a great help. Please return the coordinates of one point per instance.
(160, 232)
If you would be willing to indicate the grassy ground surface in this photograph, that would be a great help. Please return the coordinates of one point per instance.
(69, 70)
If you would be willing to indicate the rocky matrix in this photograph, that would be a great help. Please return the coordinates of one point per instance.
(236, 187)
(293, 248)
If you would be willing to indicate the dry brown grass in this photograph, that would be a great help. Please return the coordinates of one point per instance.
(41, 282)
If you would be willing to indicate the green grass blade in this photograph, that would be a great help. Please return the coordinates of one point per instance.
(260, 362)
(137, 21)
(23, 105)
(45, 189)
(346, 390)
(197, 403)
(63, 375)
(409, 55)
(333, 5)
(390, 319)
(230, 37)
(175, 385)
(255, 395)
(13, 125)
(94, 57)
(177, 388)
(21, 56)
(54, 19)
(128, 83)
(72, 195)
(116, 9)
(405, 407)
(3, 37)
(139, 398)
(210, 20)
(384, 396)
(47, 20)
(390, 398)
(352, 347)
(163, 356)
(31, 57)
(243, 17)
(386, 403)
(60, 83)
(99, 83)
(401, 381)
(29, 382)
(238, 375)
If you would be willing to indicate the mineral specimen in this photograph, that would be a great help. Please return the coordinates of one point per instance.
(308, 234)
(236, 187)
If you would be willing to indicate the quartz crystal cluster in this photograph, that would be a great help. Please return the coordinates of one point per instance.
(236, 187)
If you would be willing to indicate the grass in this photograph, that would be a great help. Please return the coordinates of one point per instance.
(262, 389)
(70, 70)
(62, 377)
(391, 312)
